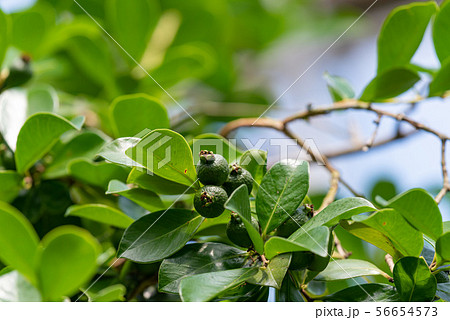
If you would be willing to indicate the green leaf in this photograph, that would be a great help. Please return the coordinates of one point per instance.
(26, 23)
(15, 288)
(273, 274)
(146, 199)
(207, 286)
(84, 145)
(281, 192)
(349, 268)
(338, 87)
(100, 213)
(4, 35)
(239, 202)
(389, 84)
(10, 186)
(38, 135)
(67, 260)
(131, 23)
(315, 240)
(198, 258)
(440, 32)
(373, 236)
(367, 292)
(96, 173)
(168, 155)
(440, 84)
(420, 209)
(155, 183)
(443, 249)
(158, 235)
(18, 241)
(402, 33)
(114, 151)
(288, 292)
(393, 226)
(133, 113)
(338, 210)
(112, 293)
(215, 143)
(17, 105)
(414, 280)
(255, 162)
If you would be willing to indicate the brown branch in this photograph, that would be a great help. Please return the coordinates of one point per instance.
(390, 262)
(339, 106)
(374, 134)
(446, 184)
(340, 249)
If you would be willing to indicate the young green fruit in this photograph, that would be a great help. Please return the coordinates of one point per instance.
(237, 177)
(212, 169)
(209, 201)
(237, 233)
(298, 219)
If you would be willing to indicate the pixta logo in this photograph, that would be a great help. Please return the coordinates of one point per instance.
(154, 151)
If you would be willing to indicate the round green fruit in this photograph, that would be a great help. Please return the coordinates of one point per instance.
(212, 169)
(298, 219)
(237, 177)
(209, 201)
(301, 260)
(237, 233)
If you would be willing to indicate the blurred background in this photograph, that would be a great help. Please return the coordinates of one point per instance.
(225, 59)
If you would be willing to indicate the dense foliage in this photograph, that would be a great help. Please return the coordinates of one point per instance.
(99, 177)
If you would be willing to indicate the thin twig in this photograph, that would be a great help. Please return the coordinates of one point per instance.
(446, 184)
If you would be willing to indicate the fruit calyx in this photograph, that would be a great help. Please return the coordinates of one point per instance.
(207, 156)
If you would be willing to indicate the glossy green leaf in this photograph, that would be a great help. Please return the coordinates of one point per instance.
(158, 235)
(96, 173)
(147, 180)
(420, 209)
(85, 145)
(338, 210)
(339, 88)
(166, 154)
(114, 151)
(18, 241)
(67, 260)
(15, 288)
(17, 105)
(26, 23)
(131, 23)
(37, 136)
(373, 236)
(273, 274)
(440, 32)
(390, 223)
(440, 83)
(281, 192)
(10, 186)
(402, 33)
(367, 292)
(315, 240)
(443, 248)
(389, 84)
(207, 286)
(145, 198)
(198, 258)
(100, 213)
(414, 280)
(215, 143)
(348, 268)
(239, 202)
(133, 113)
(255, 162)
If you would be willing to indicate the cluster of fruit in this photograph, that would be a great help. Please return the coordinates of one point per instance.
(220, 180)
